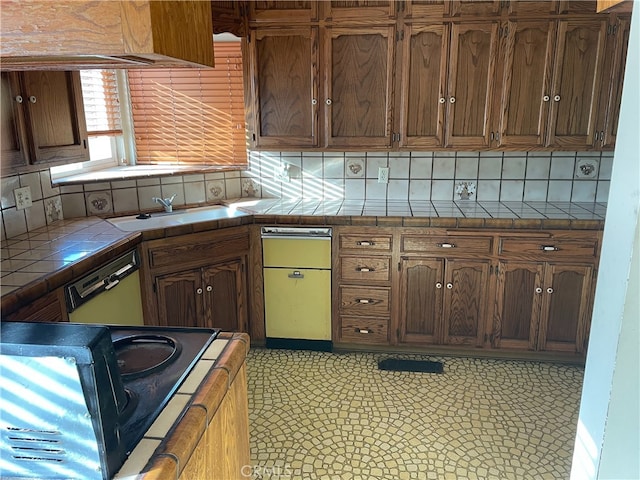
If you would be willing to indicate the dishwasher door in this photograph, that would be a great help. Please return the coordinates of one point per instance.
(297, 290)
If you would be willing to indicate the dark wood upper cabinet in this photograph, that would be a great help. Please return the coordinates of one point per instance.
(42, 119)
(12, 130)
(359, 75)
(287, 11)
(470, 85)
(285, 82)
(524, 82)
(577, 79)
(423, 85)
(433, 74)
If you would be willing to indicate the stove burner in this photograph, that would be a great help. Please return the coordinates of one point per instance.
(141, 355)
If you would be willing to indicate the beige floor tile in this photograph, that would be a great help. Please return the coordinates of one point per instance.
(317, 415)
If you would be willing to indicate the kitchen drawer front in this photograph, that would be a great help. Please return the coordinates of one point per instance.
(363, 269)
(365, 300)
(365, 243)
(364, 330)
(446, 245)
(549, 249)
(198, 251)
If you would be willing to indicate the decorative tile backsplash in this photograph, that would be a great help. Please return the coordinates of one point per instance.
(473, 176)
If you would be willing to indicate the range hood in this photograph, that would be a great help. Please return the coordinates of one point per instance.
(68, 35)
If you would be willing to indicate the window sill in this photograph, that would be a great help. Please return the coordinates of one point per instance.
(135, 172)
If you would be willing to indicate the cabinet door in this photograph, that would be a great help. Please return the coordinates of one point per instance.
(421, 9)
(12, 139)
(474, 7)
(424, 69)
(365, 11)
(577, 80)
(359, 64)
(289, 11)
(225, 303)
(421, 291)
(55, 116)
(180, 299)
(465, 301)
(533, 8)
(285, 87)
(471, 84)
(566, 300)
(526, 62)
(611, 91)
(518, 302)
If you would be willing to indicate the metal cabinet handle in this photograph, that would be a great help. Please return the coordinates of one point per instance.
(538, 290)
(549, 290)
(492, 136)
(328, 101)
(362, 330)
(556, 98)
(19, 98)
(449, 286)
(446, 245)
(452, 100)
(438, 285)
(296, 274)
(365, 301)
(546, 98)
(199, 291)
(32, 99)
(442, 100)
(209, 288)
(365, 243)
(314, 101)
(549, 248)
(602, 136)
(365, 269)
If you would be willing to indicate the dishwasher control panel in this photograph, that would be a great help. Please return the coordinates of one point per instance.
(100, 280)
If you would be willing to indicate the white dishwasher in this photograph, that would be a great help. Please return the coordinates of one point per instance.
(297, 287)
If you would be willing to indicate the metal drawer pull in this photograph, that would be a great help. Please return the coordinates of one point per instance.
(365, 301)
(365, 269)
(549, 290)
(438, 285)
(446, 245)
(209, 288)
(199, 291)
(365, 243)
(362, 330)
(296, 274)
(549, 248)
(449, 286)
(538, 290)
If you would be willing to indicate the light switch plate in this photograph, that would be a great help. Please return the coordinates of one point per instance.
(383, 174)
(23, 197)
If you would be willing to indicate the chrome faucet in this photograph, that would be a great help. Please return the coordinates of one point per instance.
(167, 203)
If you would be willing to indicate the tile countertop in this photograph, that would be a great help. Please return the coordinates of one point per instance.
(422, 208)
(65, 249)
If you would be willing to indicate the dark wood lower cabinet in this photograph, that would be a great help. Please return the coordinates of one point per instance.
(542, 306)
(443, 301)
(210, 297)
(198, 280)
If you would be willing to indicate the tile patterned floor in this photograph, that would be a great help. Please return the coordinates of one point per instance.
(316, 415)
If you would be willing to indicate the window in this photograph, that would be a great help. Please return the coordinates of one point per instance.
(100, 94)
(191, 116)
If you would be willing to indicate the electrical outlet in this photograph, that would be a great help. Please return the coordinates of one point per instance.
(23, 197)
(383, 174)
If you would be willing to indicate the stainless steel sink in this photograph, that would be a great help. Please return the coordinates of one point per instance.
(134, 223)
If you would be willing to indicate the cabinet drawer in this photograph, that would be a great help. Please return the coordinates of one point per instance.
(199, 250)
(549, 249)
(446, 245)
(364, 330)
(362, 242)
(365, 300)
(363, 269)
